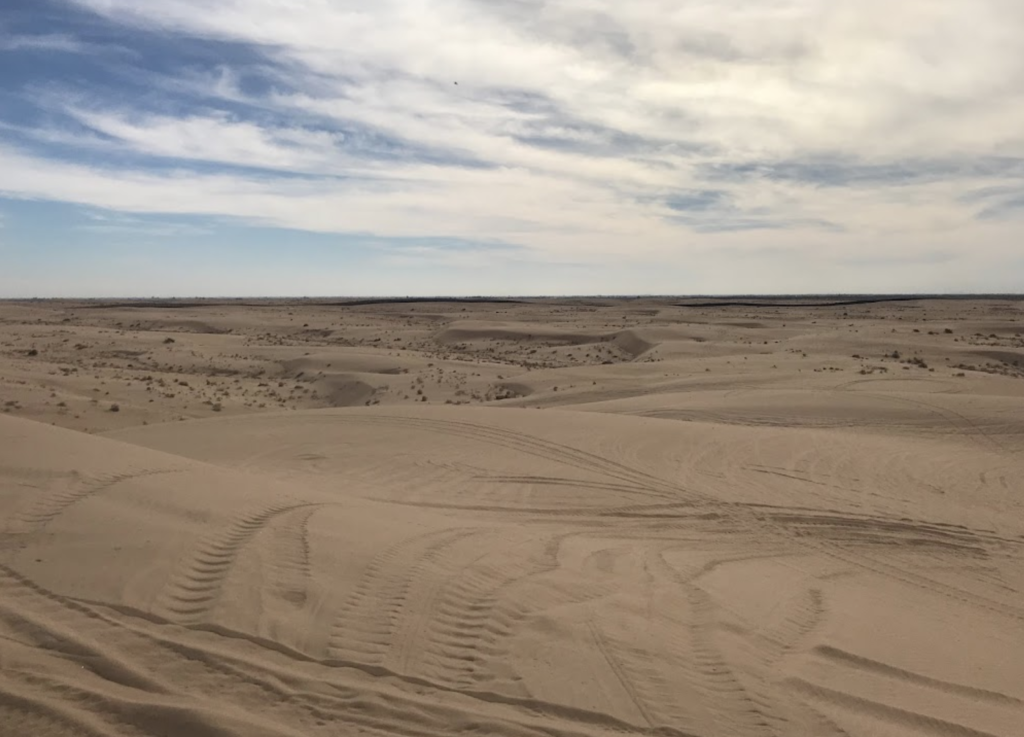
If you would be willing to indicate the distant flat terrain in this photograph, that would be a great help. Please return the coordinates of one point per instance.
(674, 517)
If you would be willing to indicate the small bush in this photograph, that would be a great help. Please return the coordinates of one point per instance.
(115, 408)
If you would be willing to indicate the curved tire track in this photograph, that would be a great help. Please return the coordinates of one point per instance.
(47, 509)
(195, 587)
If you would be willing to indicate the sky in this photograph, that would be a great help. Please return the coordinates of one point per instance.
(510, 147)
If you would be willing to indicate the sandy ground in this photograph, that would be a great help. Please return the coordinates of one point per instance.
(544, 518)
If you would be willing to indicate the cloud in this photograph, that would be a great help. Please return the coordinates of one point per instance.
(833, 172)
(752, 77)
(42, 44)
(409, 201)
(108, 223)
(1009, 208)
(53, 42)
(1001, 202)
(576, 132)
(225, 139)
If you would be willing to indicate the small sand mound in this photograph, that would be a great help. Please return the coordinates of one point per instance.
(630, 342)
(463, 332)
(193, 326)
(513, 389)
(342, 362)
(343, 390)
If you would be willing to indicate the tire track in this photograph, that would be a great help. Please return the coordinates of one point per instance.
(876, 668)
(522, 598)
(962, 424)
(91, 711)
(883, 531)
(916, 580)
(264, 680)
(549, 450)
(558, 481)
(805, 616)
(195, 587)
(750, 710)
(24, 713)
(476, 613)
(33, 473)
(129, 656)
(592, 516)
(289, 569)
(47, 509)
(763, 523)
(659, 487)
(892, 714)
(44, 622)
(203, 671)
(364, 627)
(747, 713)
(621, 674)
(409, 638)
(852, 558)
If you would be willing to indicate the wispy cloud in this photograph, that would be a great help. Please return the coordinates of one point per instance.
(114, 223)
(998, 202)
(44, 42)
(1009, 208)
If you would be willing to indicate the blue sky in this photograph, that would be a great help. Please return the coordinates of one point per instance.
(248, 147)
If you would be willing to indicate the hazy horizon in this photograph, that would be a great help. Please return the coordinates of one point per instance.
(854, 297)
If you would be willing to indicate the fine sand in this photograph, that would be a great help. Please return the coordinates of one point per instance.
(541, 518)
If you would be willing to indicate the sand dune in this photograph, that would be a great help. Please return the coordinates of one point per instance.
(659, 550)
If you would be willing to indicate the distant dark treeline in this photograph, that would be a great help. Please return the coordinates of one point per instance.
(707, 301)
(815, 300)
(841, 303)
(173, 304)
(420, 300)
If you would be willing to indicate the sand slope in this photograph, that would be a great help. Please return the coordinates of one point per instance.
(442, 570)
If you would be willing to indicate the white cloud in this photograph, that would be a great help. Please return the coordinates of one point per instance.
(410, 201)
(764, 78)
(581, 224)
(216, 139)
